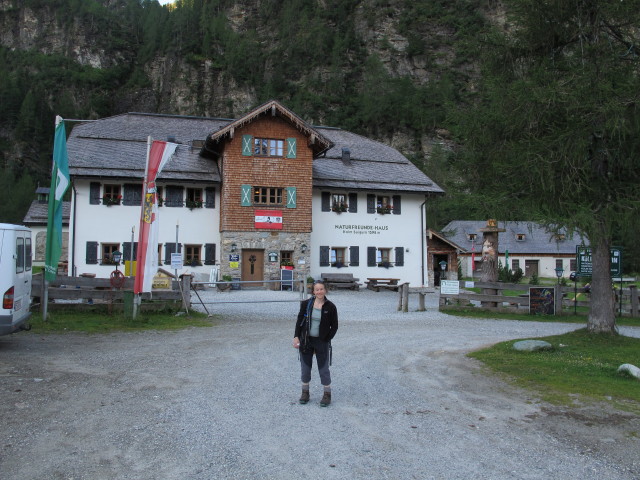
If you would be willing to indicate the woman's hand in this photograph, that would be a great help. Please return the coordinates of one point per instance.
(296, 342)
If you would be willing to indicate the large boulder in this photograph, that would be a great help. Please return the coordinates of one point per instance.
(630, 369)
(532, 345)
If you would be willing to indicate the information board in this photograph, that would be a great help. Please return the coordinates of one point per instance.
(176, 261)
(286, 279)
(585, 262)
(541, 301)
(449, 287)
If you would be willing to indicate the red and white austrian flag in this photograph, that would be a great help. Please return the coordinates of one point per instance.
(269, 219)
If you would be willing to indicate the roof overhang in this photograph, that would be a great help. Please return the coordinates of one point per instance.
(316, 141)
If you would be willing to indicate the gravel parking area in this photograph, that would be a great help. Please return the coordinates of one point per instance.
(221, 402)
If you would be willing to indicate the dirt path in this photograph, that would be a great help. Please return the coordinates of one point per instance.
(221, 402)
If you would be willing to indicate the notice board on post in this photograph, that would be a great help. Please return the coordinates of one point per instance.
(542, 301)
(286, 279)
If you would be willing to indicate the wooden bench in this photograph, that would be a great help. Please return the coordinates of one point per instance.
(377, 283)
(340, 280)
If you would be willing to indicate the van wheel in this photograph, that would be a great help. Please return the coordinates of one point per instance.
(26, 327)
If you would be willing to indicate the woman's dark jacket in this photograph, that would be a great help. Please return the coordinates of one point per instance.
(328, 319)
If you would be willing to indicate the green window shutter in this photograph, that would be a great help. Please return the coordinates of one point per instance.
(91, 257)
(399, 256)
(245, 199)
(371, 256)
(354, 256)
(325, 204)
(247, 145)
(291, 197)
(291, 148)
(324, 256)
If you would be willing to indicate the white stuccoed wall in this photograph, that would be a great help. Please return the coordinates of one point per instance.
(113, 224)
(375, 230)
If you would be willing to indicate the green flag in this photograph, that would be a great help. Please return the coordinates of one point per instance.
(59, 185)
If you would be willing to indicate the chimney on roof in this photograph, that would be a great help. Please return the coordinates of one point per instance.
(346, 156)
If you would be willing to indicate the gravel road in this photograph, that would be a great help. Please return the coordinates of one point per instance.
(221, 402)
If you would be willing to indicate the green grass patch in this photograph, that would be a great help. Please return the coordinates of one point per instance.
(581, 364)
(566, 317)
(91, 322)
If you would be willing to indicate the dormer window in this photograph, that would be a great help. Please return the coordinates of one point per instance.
(472, 237)
(520, 237)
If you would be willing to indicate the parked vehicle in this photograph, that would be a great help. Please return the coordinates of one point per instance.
(15, 278)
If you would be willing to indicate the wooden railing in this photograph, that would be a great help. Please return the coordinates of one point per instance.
(73, 291)
(565, 297)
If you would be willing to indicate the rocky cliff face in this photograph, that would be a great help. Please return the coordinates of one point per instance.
(200, 87)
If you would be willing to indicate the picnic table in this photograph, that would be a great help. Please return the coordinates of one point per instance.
(340, 280)
(377, 283)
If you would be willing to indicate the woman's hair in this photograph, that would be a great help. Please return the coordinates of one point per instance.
(319, 282)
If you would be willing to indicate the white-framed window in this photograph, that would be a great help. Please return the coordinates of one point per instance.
(338, 257)
(268, 147)
(339, 202)
(383, 256)
(472, 237)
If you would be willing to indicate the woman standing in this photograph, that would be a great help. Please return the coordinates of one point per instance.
(317, 324)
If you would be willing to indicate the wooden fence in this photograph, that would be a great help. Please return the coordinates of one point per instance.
(81, 292)
(565, 297)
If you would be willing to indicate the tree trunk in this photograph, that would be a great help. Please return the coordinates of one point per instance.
(602, 317)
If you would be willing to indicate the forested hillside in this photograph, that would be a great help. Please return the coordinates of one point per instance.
(486, 96)
(387, 69)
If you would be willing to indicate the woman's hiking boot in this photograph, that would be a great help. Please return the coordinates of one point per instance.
(304, 398)
(326, 399)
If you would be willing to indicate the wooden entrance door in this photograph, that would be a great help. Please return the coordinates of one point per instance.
(253, 267)
(530, 268)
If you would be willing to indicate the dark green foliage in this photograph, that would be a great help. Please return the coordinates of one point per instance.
(506, 275)
(16, 194)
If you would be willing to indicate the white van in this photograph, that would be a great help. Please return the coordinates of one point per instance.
(15, 277)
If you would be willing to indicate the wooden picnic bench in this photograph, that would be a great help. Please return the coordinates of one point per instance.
(340, 280)
(377, 283)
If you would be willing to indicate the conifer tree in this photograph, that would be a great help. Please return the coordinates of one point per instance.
(555, 129)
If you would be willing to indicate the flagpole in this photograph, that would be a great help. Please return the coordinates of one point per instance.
(137, 299)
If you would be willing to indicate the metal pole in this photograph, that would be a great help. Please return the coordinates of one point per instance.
(575, 297)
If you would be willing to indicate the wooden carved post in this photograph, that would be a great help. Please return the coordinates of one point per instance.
(489, 267)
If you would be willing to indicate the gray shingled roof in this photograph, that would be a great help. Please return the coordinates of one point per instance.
(372, 166)
(39, 212)
(116, 147)
(537, 238)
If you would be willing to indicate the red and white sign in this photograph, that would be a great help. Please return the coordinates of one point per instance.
(269, 219)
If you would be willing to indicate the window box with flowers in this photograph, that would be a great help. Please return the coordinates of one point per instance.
(109, 200)
(286, 266)
(339, 207)
(384, 209)
(191, 204)
(384, 264)
(160, 200)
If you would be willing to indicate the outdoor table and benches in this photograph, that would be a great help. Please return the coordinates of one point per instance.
(377, 283)
(340, 280)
